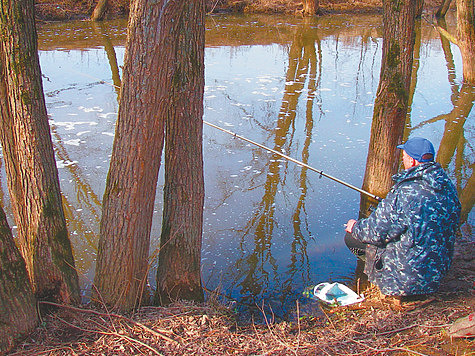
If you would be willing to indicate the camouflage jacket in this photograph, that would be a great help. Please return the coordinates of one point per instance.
(411, 233)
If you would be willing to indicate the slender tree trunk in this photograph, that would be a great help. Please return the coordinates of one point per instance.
(149, 78)
(311, 7)
(419, 8)
(17, 303)
(178, 275)
(99, 10)
(443, 8)
(30, 164)
(391, 102)
(466, 38)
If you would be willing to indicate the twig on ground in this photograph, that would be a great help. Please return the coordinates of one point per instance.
(298, 324)
(388, 349)
(328, 318)
(125, 337)
(272, 333)
(397, 330)
(154, 332)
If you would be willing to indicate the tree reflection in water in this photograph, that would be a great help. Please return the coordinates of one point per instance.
(257, 268)
(453, 146)
(281, 232)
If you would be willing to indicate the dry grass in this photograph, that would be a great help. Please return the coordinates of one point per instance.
(375, 327)
(60, 10)
(81, 9)
(72, 9)
(294, 6)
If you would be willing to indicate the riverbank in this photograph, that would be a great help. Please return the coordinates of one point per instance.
(61, 10)
(375, 326)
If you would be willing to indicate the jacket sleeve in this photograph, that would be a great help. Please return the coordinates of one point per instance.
(386, 223)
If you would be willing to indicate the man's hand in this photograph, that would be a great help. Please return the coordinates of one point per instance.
(349, 225)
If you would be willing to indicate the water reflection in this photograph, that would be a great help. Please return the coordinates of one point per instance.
(111, 56)
(449, 58)
(415, 68)
(453, 146)
(304, 88)
(259, 267)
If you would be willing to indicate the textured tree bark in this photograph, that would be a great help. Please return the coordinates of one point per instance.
(178, 275)
(17, 303)
(311, 7)
(466, 38)
(443, 8)
(30, 164)
(149, 77)
(419, 8)
(392, 96)
(99, 10)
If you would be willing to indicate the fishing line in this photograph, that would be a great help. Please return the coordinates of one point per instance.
(320, 172)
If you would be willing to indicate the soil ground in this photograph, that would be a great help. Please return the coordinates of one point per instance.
(60, 10)
(374, 327)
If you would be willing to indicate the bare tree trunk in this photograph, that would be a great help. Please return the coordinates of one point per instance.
(149, 78)
(17, 303)
(419, 8)
(466, 38)
(392, 97)
(99, 10)
(311, 7)
(443, 8)
(30, 164)
(178, 275)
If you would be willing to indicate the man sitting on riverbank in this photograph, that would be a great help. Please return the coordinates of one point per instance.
(410, 236)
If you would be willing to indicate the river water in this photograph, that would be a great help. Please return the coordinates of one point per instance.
(305, 88)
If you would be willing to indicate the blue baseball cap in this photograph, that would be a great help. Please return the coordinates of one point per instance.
(419, 148)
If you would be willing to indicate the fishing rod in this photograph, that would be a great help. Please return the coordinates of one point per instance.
(295, 161)
(276, 152)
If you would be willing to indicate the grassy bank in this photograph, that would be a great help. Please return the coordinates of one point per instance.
(374, 327)
(60, 10)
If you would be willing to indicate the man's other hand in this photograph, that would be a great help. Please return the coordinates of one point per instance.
(349, 225)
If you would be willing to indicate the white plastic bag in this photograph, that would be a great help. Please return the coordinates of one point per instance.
(336, 293)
